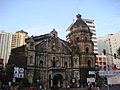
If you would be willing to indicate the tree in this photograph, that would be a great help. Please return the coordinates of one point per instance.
(118, 51)
(82, 81)
(25, 82)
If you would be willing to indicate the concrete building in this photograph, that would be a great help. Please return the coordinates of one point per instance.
(18, 39)
(101, 61)
(5, 46)
(92, 27)
(111, 43)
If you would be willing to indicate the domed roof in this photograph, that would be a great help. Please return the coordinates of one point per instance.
(79, 22)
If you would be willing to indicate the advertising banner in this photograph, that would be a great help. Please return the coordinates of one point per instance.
(90, 80)
(108, 73)
(18, 72)
(113, 79)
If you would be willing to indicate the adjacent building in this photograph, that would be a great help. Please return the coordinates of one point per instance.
(111, 43)
(5, 46)
(9, 41)
(92, 27)
(18, 39)
(101, 61)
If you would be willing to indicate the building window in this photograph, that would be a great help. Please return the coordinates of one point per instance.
(104, 58)
(87, 50)
(77, 39)
(54, 58)
(31, 59)
(85, 38)
(89, 63)
(97, 58)
(41, 63)
(100, 58)
(104, 63)
(53, 63)
(65, 64)
(54, 35)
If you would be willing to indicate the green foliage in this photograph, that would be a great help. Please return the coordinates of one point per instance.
(25, 82)
(82, 81)
(55, 87)
(77, 51)
(99, 82)
(34, 80)
(118, 51)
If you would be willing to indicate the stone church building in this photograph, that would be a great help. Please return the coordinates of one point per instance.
(54, 61)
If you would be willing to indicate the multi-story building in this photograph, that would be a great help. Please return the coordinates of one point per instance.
(5, 46)
(92, 27)
(18, 39)
(111, 43)
(101, 61)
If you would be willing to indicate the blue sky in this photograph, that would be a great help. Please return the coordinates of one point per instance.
(39, 17)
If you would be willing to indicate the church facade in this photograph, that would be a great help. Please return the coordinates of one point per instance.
(54, 61)
(50, 59)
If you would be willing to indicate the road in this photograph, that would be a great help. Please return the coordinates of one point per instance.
(111, 88)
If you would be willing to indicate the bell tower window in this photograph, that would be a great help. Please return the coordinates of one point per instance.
(77, 39)
(87, 50)
(85, 38)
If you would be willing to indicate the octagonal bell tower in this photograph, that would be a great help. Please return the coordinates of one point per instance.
(80, 38)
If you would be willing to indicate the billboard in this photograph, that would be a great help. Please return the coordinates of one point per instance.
(90, 80)
(18, 72)
(113, 79)
(108, 73)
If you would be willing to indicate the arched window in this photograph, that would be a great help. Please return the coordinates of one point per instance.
(87, 49)
(41, 63)
(85, 38)
(77, 39)
(31, 59)
(65, 64)
(89, 63)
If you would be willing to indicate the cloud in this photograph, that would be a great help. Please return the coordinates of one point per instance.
(39, 29)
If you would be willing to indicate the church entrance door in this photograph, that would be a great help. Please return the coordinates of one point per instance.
(58, 80)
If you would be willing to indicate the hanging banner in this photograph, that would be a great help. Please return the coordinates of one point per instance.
(113, 79)
(111, 72)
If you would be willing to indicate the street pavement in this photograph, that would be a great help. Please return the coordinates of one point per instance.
(111, 88)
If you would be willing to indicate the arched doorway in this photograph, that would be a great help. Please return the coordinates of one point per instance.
(58, 80)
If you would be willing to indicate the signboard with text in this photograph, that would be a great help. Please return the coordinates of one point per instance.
(18, 72)
(108, 73)
(113, 79)
(90, 80)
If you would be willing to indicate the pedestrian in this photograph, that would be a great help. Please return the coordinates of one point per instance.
(31, 88)
(98, 88)
(1, 86)
(89, 87)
